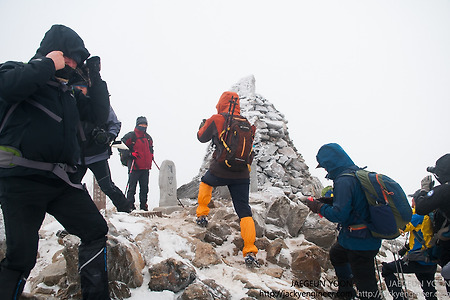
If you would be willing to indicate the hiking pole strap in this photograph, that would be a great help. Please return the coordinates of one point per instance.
(59, 169)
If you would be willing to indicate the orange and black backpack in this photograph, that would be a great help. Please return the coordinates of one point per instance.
(236, 142)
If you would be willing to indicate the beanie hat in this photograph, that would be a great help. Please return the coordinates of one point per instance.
(141, 120)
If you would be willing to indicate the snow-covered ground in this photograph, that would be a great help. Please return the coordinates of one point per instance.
(174, 231)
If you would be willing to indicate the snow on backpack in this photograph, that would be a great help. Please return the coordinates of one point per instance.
(389, 208)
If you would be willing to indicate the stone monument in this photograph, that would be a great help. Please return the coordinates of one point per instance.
(167, 184)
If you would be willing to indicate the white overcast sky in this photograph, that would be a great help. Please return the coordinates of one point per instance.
(373, 76)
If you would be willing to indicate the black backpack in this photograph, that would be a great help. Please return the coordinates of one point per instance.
(124, 156)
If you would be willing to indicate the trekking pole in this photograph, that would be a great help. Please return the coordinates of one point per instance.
(379, 277)
(230, 116)
(129, 172)
(399, 269)
(156, 164)
(402, 274)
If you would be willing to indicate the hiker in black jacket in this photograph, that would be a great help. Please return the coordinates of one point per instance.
(39, 122)
(437, 199)
(96, 150)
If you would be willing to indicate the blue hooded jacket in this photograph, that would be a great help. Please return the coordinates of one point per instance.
(349, 203)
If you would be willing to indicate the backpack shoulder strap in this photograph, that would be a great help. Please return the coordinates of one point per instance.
(8, 114)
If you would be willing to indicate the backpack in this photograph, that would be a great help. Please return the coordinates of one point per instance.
(429, 252)
(389, 208)
(236, 144)
(125, 154)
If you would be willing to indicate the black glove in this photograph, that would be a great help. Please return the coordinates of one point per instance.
(403, 250)
(326, 200)
(202, 124)
(103, 138)
(94, 66)
(111, 137)
(314, 205)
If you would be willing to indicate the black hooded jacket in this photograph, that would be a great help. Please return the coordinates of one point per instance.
(47, 130)
(439, 196)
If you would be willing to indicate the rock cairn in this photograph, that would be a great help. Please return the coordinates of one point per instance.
(277, 162)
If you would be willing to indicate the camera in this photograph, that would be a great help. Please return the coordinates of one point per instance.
(100, 136)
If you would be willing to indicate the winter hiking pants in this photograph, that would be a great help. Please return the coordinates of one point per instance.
(353, 266)
(24, 202)
(424, 273)
(102, 174)
(444, 259)
(239, 191)
(141, 176)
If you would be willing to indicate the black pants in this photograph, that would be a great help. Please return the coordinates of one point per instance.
(24, 202)
(141, 177)
(354, 266)
(444, 258)
(239, 191)
(102, 174)
(424, 273)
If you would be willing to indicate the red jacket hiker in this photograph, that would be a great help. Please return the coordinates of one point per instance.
(140, 144)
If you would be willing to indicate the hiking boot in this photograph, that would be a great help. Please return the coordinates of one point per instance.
(144, 207)
(202, 221)
(250, 261)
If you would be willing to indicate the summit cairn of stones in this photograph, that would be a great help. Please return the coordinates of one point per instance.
(277, 162)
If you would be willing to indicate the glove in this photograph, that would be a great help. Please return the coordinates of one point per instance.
(111, 137)
(326, 200)
(427, 183)
(94, 66)
(202, 124)
(102, 137)
(134, 155)
(314, 205)
(403, 250)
